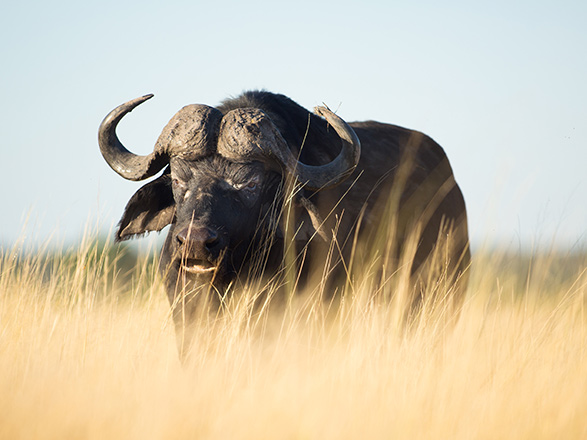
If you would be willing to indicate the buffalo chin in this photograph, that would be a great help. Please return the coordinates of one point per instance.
(197, 266)
(196, 272)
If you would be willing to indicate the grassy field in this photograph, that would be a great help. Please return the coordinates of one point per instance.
(87, 350)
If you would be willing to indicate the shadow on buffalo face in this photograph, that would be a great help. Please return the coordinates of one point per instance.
(229, 171)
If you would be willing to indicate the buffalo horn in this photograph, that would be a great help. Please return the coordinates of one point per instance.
(129, 165)
(333, 173)
(250, 134)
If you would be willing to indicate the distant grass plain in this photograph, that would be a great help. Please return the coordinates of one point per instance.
(87, 350)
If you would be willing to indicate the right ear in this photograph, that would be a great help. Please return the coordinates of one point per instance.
(151, 208)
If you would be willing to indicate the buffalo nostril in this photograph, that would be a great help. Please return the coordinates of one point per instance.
(197, 239)
(212, 239)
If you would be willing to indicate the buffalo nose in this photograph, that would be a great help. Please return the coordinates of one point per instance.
(198, 240)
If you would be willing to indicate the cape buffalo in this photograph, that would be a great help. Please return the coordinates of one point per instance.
(230, 171)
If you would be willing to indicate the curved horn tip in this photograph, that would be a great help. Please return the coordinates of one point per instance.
(142, 99)
(323, 110)
(127, 107)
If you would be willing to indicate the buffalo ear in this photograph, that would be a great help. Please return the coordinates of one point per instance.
(313, 225)
(151, 208)
(309, 223)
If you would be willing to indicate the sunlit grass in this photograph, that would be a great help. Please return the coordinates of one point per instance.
(88, 350)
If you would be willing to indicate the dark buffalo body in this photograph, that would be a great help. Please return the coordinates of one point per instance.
(228, 172)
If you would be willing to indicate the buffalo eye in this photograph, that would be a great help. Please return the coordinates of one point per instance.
(249, 190)
(251, 186)
(177, 184)
(179, 187)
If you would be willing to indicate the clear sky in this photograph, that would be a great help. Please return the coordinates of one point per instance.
(501, 85)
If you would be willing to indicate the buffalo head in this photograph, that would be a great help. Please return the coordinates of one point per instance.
(221, 188)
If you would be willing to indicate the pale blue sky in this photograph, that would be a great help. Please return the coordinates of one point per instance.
(501, 85)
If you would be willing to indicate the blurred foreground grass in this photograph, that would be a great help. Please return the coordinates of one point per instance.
(87, 350)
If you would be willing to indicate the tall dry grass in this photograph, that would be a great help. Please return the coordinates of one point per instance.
(88, 351)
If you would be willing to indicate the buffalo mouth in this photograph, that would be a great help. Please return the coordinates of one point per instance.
(197, 266)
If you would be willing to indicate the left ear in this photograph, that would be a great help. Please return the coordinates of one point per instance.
(308, 221)
(151, 208)
(313, 223)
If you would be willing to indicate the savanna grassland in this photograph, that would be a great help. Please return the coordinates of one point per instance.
(87, 350)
